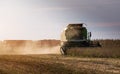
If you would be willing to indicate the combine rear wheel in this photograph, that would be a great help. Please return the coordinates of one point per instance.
(95, 44)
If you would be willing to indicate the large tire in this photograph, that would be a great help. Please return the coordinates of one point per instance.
(63, 50)
(98, 44)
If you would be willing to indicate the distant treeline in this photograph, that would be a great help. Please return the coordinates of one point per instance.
(38, 43)
(48, 43)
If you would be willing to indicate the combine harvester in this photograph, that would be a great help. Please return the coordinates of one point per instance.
(76, 35)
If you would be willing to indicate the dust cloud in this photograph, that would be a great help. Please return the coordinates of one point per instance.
(43, 50)
(29, 47)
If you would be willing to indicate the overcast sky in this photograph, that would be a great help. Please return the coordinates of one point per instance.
(45, 19)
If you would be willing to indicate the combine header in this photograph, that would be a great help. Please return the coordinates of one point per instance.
(76, 35)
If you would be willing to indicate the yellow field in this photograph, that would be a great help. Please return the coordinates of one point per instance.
(57, 64)
(30, 57)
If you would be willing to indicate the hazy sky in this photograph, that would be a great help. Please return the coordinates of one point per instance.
(45, 19)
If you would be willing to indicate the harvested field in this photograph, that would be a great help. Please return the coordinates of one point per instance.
(57, 64)
(31, 58)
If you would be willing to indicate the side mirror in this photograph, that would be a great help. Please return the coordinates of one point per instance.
(90, 34)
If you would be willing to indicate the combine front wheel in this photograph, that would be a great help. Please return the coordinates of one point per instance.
(63, 50)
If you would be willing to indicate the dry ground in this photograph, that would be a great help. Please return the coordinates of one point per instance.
(104, 60)
(57, 64)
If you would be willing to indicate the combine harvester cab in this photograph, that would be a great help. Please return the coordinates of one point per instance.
(76, 35)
